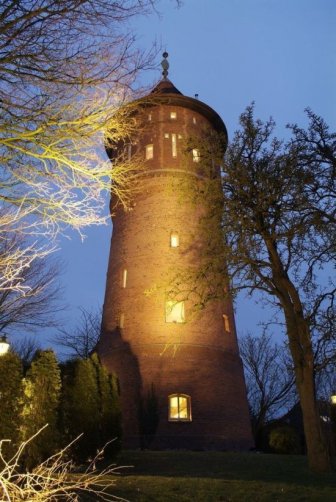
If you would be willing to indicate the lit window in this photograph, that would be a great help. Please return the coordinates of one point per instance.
(174, 240)
(124, 278)
(179, 408)
(174, 146)
(196, 155)
(194, 120)
(180, 136)
(173, 115)
(121, 320)
(149, 117)
(129, 152)
(226, 322)
(166, 135)
(149, 152)
(175, 311)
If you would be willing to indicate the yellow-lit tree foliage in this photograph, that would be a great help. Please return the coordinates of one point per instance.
(65, 69)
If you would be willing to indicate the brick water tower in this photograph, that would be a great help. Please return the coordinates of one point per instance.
(165, 333)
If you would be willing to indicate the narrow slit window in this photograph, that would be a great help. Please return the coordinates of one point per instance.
(121, 321)
(149, 152)
(226, 322)
(149, 117)
(173, 115)
(175, 312)
(174, 145)
(124, 278)
(129, 152)
(194, 120)
(196, 155)
(174, 240)
(179, 408)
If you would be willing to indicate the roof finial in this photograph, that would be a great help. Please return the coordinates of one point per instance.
(165, 65)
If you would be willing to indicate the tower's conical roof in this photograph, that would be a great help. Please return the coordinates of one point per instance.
(165, 86)
(165, 92)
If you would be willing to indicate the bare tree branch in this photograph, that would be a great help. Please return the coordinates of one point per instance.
(81, 340)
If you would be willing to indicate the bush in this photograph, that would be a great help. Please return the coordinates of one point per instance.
(285, 440)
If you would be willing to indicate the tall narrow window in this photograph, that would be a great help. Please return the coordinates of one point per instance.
(226, 322)
(149, 117)
(194, 120)
(149, 152)
(124, 278)
(173, 115)
(174, 145)
(196, 155)
(175, 311)
(179, 408)
(121, 320)
(174, 240)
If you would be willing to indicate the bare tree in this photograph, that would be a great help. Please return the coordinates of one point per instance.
(34, 296)
(269, 379)
(277, 244)
(82, 339)
(25, 348)
(65, 69)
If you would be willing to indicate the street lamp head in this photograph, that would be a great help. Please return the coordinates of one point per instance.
(333, 399)
(4, 345)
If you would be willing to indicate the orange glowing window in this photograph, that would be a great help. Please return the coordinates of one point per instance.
(149, 152)
(174, 240)
(124, 278)
(121, 320)
(173, 115)
(166, 135)
(196, 155)
(179, 408)
(175, 311)
(226, 322)
(174, 145)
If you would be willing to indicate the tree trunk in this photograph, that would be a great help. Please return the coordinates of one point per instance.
(300, 345)
(303, 358)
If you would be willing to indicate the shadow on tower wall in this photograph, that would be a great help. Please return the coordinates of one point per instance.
(138, 409)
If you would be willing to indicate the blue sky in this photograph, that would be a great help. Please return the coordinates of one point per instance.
(278, 53)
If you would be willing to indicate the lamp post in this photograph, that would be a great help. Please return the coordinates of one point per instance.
(4, 345)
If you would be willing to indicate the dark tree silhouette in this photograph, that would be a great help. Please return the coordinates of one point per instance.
(277, 239)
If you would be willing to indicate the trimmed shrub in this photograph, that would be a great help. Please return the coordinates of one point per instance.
(284, 439)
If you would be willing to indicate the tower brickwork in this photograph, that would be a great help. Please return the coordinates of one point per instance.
(175, 353)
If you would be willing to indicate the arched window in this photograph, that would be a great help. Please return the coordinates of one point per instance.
(179, 408)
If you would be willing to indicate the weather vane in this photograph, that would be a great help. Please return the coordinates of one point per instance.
(165, 65)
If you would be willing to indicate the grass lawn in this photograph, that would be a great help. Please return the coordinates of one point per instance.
(213, 476)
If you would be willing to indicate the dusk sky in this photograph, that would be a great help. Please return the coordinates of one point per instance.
(278, 53)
